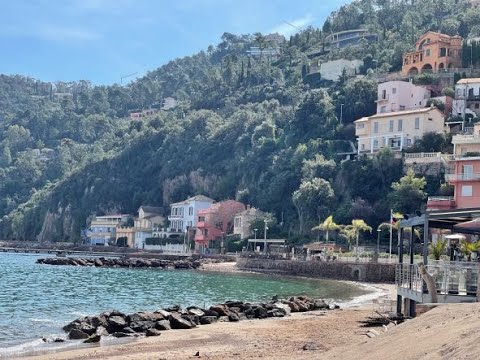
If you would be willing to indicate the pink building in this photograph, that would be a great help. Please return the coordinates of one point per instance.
(466, 180)
(215, 223)
(401, 95)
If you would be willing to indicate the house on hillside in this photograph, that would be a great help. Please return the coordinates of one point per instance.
(433, 52)
(184, 214)
(243, 220)
(214, 224)
(463, 174)
(467, 98)
(401, 95)
(149, 218)
(103, 229)
(396, 130)
(332, 70)
(355, 37)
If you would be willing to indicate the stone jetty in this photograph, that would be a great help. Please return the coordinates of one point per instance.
(117, 324)
(117, 262)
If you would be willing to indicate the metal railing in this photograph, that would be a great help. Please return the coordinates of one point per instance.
(462, 177)
(451, 278)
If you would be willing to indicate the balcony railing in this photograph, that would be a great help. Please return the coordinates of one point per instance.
(383, 98)
(462, 177)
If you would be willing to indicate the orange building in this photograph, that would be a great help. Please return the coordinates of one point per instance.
(433, 52)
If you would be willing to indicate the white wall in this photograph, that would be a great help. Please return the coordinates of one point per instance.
(332, 70)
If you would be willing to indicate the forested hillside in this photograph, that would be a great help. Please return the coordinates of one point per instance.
(254, 128)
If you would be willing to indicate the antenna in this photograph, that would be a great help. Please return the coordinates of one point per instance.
(126, 76)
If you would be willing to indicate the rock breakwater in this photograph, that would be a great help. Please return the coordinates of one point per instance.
(128, 263)
(117, 324)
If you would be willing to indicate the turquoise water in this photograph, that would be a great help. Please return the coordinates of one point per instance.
(37, 300)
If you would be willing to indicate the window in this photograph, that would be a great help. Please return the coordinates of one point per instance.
(375, 127)
(190, 210)
(400, 125)
(467, 172)
(360, 126)
(384, 94)
(409, 142)
(427, 52)
(417, 123)
(391, 126)
(467, 190)
(394, 90)
(375, 144)
(383, 109)
(402, 107)
(477, 106)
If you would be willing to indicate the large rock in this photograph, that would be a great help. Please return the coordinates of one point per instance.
(221, 310)
(293, 306)
(163, 325)
(145, 316)
(100, 320)
(194, 319)
(117, 322)
(101, 330)
(233, 317)
(206, 320)
(276, 313)
(164, 313)
(153, 332)
(173, 308)
(87, 328)
(95, 338)
(196, 312)
(284, 307)
(210, 312)
(177, 322)
(76, 334)
(141, 326)
(261, 313)
(75, 324)
(320, 304)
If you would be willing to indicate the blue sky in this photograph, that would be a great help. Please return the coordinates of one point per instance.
(102, 40)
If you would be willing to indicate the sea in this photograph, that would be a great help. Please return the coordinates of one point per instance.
(37, 300)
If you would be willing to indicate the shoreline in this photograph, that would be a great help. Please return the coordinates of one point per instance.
(350, 309)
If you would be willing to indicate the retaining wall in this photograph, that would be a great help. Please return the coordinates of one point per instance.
(367, 272)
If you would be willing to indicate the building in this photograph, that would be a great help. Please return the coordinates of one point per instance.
(346, 38)
(401, 95)
(215, 223)
(142, 114)
(396, 130)
(149, 218)
(125, 236)
(184, 214)
(243, 220)
(433, 52)
(467, 98)
(102, 230)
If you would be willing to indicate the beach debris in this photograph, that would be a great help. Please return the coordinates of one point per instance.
(197, 353)
(118, 324)
(311, 346)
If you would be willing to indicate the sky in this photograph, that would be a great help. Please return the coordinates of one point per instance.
(105, 40)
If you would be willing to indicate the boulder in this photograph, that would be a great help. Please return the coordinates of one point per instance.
(320, 304)
(293, 306)
(163, 325)
(153, 332)
(194, 319)
(260, 313)
(98, 262)
(174, 308)
(100, 320)
(276, 313)
(250, 313)
(210, 312)
(231, 304)
(121, 334)
(284, 307)
(101, 330)
(87, 328)
(196, 312)
(76, 334)
(233, 317)
(221, 310)
(95, 338)
(145, 316)
(223, 319)
(141, 326)
(302, 307)
(177, 322)
(207, 320)
(117, 322)
(75, 324)
(164, 313)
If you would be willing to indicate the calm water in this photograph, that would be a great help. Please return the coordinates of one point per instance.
(37, 300)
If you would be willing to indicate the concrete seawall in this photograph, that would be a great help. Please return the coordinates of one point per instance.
(367, 272)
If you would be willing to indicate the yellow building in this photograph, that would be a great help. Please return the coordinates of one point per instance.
(126, 232)
(396, 130)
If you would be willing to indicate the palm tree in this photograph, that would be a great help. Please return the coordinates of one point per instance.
(468, 248)
(437, 249)
(354, 229)
(327, 226)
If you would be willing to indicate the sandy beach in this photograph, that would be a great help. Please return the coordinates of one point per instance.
(273, 338)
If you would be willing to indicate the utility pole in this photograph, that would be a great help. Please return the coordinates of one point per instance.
(265, 237)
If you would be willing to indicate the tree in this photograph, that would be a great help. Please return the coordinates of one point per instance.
(438, 248)
(354, 229)
(327, 226)
(408, 195)
(311, 199)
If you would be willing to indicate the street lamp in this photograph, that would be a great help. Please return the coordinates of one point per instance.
(255, 231)
(265, 237)
(378, 241)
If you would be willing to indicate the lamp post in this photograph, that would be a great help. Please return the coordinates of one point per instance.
(378, 241)
(265, 237)
(255, 242)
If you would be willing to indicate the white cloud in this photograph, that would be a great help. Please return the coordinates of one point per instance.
(288, 28)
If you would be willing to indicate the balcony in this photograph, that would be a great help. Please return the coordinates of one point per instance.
(465, 139)
(201, 224)
(441, 203)
(462, 177)
(382, 99)
(200, 238)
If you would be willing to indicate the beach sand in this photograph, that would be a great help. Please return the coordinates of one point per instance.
(273, 338)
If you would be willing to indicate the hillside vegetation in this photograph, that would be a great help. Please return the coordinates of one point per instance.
(251, 128)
